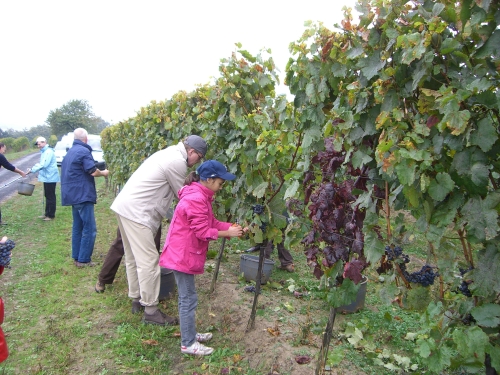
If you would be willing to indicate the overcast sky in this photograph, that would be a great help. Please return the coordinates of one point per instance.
(121, 54)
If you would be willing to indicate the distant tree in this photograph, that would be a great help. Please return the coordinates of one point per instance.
(21, 144)
(72, 115)
(3, 134)
(33, 132)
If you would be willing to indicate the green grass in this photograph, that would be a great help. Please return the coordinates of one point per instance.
(55, 323)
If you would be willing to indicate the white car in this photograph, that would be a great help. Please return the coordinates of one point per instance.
(66, 142)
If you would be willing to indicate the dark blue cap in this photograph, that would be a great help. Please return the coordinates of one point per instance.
(214, 169)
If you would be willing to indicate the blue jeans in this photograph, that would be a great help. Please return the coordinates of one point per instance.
(84, 232)
(188, 300)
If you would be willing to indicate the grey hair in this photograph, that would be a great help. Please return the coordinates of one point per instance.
(80, 134)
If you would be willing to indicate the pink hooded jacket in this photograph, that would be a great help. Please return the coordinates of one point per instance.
(192, 227)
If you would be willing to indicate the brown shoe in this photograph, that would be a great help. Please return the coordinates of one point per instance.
(100, 287)
(288, 267)
(81, 265)
(159, 318)
(137, 307)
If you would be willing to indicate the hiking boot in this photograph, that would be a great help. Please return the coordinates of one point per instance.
(203, 337)
(100, 287)
(288, 267)
(81, 265)
(137, 307)
(159, 318)
(197, 349)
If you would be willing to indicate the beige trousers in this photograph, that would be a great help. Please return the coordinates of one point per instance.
(141, 261)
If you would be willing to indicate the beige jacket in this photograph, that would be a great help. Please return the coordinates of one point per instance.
(150, 190)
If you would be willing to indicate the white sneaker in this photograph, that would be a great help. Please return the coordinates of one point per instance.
(197, 349)
(203, 337)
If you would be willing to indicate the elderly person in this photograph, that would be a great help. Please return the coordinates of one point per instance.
(78, 191)
(140, 207)
(49, 175)
(5, 163)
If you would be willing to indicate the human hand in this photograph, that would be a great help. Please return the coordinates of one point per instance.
(28, 171)
(235, 230)
(4, 239)
(22, 174)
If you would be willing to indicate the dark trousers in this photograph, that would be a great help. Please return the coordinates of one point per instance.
(115, 255)
(49, 191)
(283, 254)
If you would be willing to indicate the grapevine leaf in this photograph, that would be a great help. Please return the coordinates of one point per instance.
(371, 65)
(446, 211)
(491, 47)
(292, 190)
(440, 359)
(424, 348)
(480, 220)
(471, 342)
(441, 186)
(343, 295)
(374, 247)
(487, 315)
(485, 136)
(260, 190)
(456, 121)
(310, 136)
(406, 172)
(486, 275)
(494, 352)
(359, 159)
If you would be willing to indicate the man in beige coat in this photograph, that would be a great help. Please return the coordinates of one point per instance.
(140, 207)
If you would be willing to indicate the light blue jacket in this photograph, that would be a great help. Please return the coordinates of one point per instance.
(47, 166)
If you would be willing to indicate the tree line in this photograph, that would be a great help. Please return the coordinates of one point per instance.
(76, 113)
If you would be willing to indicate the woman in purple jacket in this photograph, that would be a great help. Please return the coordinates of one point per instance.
(192, 227)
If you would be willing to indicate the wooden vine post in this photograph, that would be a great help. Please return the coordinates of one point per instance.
(251, 321)
(327, 337)
(217, 265)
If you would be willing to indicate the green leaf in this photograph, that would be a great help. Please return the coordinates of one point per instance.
(260, 190)
(465, 12)
(481, 221)
(359, 159)
(371, 65)
(471, 342)
(441, 186)
(406, 172)
(292, 189)
(449, 45)
(487, 315)
(486, 275)
(494, 352)
(485, 136)
(491, 47)
(374, 248)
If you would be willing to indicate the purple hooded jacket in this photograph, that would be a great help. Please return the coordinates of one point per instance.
(192, 227)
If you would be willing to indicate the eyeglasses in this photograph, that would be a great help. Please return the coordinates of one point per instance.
(199, 155)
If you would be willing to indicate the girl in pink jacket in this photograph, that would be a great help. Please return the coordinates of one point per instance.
(192, 227)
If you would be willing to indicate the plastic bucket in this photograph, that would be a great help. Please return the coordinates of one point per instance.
(167, 284)
(25, 189)
(249, 265)
(359, 303)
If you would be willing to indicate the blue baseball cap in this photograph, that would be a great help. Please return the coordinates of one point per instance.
(214, 169)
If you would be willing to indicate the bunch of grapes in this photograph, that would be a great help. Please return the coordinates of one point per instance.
(258, 209)
(424, 277)
(396, 253)
(5, 252)
(464, 286)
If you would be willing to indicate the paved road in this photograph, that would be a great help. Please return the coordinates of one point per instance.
(9, 180)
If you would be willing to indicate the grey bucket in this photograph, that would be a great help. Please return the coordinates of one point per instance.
(249, 265)
(167, 284)
(25, 189)
(359, 303)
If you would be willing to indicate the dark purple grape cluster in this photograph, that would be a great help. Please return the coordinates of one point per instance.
(396, 253)
(5, 252)
(424, 277)
(258, 209)
(464, 286)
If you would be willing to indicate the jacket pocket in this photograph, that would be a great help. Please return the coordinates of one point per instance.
(196, 260)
